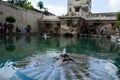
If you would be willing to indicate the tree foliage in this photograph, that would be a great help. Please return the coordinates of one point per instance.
(117, 23)
(41, 6)
(56, 27)
(45, 9)
(22, 3)
(11, 1)
(118, 16)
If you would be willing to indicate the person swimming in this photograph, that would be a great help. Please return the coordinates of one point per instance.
(63, 59)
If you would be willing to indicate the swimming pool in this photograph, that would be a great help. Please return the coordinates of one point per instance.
(16, 48)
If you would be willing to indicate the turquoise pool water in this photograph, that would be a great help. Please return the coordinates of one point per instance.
(16, 48)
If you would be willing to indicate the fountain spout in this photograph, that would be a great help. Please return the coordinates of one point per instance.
(64, 51)
(45, 36)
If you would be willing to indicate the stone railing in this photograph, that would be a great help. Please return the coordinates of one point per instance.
(101, 18)
(51, 18)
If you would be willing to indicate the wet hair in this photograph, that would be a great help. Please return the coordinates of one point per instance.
(66, 55)
(61, 55)
(67, 58)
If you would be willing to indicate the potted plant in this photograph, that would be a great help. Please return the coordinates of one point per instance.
(28, 28)
(56, 28)
(10, 20)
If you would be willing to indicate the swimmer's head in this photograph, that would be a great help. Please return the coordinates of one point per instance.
(64, 56)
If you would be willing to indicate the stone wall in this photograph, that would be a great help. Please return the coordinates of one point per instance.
(109, 28)
(79, 8)
(23, 17)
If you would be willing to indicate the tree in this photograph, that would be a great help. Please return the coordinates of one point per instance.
(11, 1)
(22, 3)
(27, 5)
(118, 16)
(40, 5)
(45, 9)
(117, 22)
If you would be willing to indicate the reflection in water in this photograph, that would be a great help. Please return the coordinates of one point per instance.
(9, 46)
(18, 38)
(45, 36)
(27, 39)
(2, 40)
(102, 41)
(96, 47)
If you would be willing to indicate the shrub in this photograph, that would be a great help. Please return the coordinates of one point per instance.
(116, 24)
(10, 19)
(118, 16)
(56, 27)
(28, 28)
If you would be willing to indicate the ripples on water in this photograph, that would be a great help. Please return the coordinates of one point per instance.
(40, 67)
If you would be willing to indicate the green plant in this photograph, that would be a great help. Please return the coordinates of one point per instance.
(118, 16)
(56, 27)
(28, 28)
(40, 4)
(116, 24)
(22, 3)
(45, 9)
(10, 19)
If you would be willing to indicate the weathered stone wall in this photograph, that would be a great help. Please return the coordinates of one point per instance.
(109, 29)
(23, 17)
(83, 8)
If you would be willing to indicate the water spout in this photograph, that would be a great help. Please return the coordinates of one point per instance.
(45, 36)
(64, 51)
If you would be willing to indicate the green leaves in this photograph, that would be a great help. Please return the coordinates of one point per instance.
(116, 24)
(41, 6)
(45, 9)
(56, 27)
(10, 19)
(22, 3)
(27, 5)
(118, 16)
(11, 1)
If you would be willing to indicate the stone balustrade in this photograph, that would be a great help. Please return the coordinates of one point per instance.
(51, 18)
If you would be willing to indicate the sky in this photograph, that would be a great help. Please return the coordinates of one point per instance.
(59, 7)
